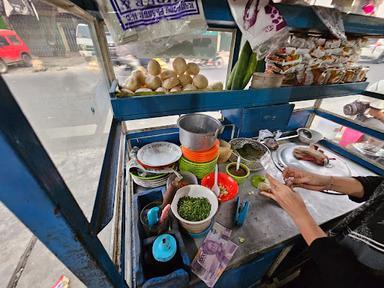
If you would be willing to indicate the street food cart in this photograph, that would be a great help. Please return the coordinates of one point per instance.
(268, 242)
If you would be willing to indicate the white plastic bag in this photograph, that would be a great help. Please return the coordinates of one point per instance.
(148, 20)
(261, 24)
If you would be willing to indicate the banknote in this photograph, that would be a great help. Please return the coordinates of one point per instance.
(214, 255)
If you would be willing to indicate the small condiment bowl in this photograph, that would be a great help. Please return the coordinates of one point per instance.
(239, 179)
(225, 180)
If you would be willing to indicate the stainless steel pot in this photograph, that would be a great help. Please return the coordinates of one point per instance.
(198, 132)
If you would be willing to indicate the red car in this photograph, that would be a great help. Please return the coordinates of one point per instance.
(13, 50)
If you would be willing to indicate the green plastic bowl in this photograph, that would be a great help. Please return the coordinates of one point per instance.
(198, 169)
(257, 179)
(239, 179)
(153, 177)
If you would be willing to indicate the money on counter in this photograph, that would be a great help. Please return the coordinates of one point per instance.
(214, 255)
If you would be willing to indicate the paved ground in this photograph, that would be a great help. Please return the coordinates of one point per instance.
(72, 121)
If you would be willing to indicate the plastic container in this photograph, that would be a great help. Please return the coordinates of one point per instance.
(145, 274)
(195, 191)
(266, 80)
(225, 180)
(239, 179)
(198, 169)
(155, 229)
(203, 156)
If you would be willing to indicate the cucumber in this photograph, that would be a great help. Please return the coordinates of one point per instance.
(242, 65)
(250, 70)
(230, 78)
(260, 67)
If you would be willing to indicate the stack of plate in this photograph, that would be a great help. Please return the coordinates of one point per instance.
(155, 162)
(198, 169)
(151, 181)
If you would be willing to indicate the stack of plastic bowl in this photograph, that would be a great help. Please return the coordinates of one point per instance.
(199, 163)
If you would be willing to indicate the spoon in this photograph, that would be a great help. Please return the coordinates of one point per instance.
(178, 175)
(215, 188)
(238, 163)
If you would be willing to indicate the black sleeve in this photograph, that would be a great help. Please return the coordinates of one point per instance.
(339, 266)
(370, 183)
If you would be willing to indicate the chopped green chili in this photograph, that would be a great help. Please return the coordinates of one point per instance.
(193, 208)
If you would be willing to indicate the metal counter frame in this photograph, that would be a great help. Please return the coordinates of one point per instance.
(32, 188)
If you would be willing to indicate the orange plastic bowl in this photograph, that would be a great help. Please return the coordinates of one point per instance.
(201, 157)
(225, 180)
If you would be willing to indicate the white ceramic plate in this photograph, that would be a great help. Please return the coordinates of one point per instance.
(158, 154)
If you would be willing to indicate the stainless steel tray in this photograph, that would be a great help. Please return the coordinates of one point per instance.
(283, 157)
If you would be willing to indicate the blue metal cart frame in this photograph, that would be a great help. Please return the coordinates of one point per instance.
(34, 191)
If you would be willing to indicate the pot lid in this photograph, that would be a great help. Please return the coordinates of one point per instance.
(164, 248)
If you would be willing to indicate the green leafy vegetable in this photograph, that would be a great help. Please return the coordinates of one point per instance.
(193, 208)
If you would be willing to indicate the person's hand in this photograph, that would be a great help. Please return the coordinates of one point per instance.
(299, 178)
(289, 200)
(376, 113)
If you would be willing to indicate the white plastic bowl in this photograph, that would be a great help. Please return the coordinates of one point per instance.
(195, 191)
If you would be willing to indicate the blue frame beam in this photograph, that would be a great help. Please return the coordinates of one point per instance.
(345, 122)
(299, 17)
(33, 189)
(352, 156)
(137, 107)
(303, 17)
(373, 94)
(105, 197)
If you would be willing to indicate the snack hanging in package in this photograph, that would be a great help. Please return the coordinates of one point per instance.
(332, 43)
(335, 75)
(361, 74)
(332, 19)
(318, 41)
(319, 76)
(298, 42)
(303, 51)
(318, 52)
(290, 79)
(347, 51)
(329, 59)
(350, 75)
(333, 51)
(277, 69)
(284, 60)
(309, 78)
(285, 51)
(362, 42)
(130, 20)
(351, 43)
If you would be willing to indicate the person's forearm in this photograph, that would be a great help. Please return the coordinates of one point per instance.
(346, 185)
(376, 113)
(308, 228)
